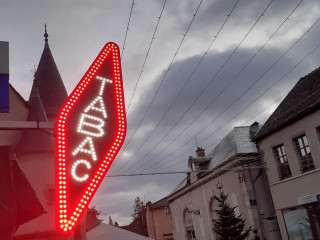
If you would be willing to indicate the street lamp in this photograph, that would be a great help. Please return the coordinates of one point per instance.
(166, 211)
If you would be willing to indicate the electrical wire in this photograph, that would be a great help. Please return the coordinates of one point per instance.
(287, 18)
(274, 64)
(252, 102)
(212, 145)
(177, 172)
(254, 99)
(185, 84)
(125, 36)
(145, 59)
(157, 91)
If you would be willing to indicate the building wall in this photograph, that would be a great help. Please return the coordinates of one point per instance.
(39, 168)
(158, 223)
(18, 112)
(286, 193)
(202, 198)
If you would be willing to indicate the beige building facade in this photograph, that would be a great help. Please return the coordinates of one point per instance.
(235, 163)
(289, 144)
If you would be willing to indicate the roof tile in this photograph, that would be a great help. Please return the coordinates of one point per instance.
(303, 98)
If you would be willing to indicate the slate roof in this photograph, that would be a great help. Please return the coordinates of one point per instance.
(303, 99)
(51, 88)
(181, 185)
(34, 140)
(237, 141)
(161, 203)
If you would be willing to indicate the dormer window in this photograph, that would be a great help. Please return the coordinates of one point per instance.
(203, 165)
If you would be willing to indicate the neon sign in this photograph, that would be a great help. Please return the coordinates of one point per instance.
(90, 131)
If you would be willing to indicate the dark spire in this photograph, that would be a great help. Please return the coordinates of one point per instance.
(46, 35)
(51, 88)
(37, 112)
(35, 140)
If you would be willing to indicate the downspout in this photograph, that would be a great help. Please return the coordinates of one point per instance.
(154, 228)
(255, 197)
(267, 182)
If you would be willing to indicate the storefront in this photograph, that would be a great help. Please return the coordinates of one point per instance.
(303, 222)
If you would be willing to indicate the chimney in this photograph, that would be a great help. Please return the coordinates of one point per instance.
(200, 152)
(254, 128)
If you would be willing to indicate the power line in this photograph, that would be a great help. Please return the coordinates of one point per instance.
(252, 102)
(244, 124)
(293, 107)
(211, 81)
(145, 59)
(156, 93)
(157, 173)
(294, 67)
(177, 172)
(125, 36)
(188, 80)
(274, 64)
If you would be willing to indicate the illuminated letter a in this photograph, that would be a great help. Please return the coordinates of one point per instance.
(90, 125)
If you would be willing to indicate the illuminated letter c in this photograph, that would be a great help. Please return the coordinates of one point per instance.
(74, 167)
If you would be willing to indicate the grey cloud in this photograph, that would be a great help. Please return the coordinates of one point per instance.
(79, 30)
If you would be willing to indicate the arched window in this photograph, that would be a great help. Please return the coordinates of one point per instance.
(188, 223)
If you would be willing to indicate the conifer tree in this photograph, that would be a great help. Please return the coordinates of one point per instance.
(93, 218)
(139, 223)
(228, 226)
(110, 221)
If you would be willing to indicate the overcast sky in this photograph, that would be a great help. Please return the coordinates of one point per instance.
(204, 94)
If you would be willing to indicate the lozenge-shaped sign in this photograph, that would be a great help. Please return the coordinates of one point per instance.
(90, 130)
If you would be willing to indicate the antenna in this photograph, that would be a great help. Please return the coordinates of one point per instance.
(196, 141)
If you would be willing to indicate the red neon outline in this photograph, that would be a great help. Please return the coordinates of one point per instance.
(65, 220)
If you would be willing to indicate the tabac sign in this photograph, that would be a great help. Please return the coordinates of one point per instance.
(90, 130)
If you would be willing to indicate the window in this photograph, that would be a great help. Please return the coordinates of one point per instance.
(304, 153)
(188, 221)
(298, 224)
(318, 132)
(191, 235)
(282, 161)
(303, 222)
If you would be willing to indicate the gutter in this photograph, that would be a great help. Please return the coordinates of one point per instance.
(211, 175)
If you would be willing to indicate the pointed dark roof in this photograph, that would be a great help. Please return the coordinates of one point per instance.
(35, 140)
(303, 99)
(51, 88)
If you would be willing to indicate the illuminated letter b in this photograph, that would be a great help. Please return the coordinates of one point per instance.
(86, 121)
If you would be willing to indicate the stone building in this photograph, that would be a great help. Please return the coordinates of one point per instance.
(290, 147)
(235, 163)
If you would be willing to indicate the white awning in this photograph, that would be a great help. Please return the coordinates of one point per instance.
(107, 232)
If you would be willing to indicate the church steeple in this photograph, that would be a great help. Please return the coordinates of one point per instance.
(51, 88)
(46, 35)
